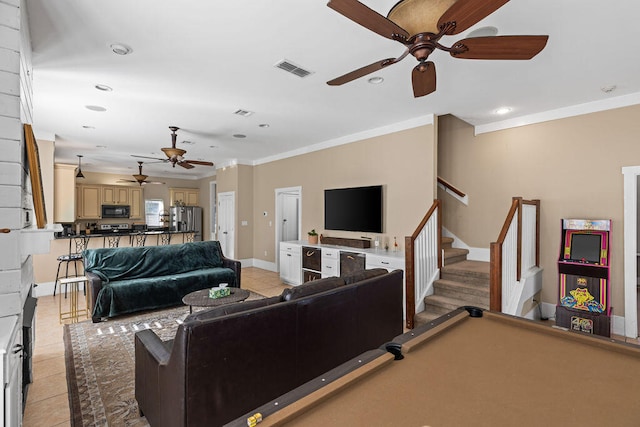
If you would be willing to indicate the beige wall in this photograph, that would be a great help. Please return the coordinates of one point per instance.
(572, 165)
(403, 162)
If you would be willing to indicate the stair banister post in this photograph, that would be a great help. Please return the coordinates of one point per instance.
(410, 288)
(495, 277)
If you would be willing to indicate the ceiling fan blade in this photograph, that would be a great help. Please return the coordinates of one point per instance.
(153, 182)
(198, 162)
(371, 68)
(186, 165)
(499, 47)
(153, 158)
(127, 180)
(423, 78)
(466, 13)
(368, 18)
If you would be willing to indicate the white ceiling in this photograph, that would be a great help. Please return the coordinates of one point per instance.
(195, 62)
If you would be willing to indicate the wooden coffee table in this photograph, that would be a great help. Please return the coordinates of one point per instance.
(201, 298)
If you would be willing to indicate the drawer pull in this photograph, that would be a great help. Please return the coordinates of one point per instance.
(311, 253)
(384, 262)
(17, 349)
(329, 267)
(350, 257)
(288, 254)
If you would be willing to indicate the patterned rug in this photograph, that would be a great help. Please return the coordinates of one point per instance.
(100, 361)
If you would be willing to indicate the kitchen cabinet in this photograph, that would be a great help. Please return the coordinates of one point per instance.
(115, 195)
(188, 196)
(136, 203)
(89, 201)
(290, 264)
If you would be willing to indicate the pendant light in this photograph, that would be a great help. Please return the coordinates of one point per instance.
(79, 174)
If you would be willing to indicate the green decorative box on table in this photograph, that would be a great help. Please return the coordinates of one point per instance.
(219, 292)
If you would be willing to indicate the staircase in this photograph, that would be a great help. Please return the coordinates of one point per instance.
(462, 282)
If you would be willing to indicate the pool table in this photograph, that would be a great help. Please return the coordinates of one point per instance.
(472, 367)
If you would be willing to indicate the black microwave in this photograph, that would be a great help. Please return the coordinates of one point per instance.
(115, 211)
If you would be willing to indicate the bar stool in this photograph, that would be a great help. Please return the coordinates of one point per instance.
(80, 244)
(138, 239)
(111, 241)
(164, 239)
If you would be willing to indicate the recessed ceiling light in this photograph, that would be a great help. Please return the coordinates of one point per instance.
(212, 146)
(375, 80)
(503, 110)
(95, 108)
(88, 127)
(103, 88)
(120, 49)
(185, 142)
(263, 125)
(239, 135)
(483, 32)
(608, 89)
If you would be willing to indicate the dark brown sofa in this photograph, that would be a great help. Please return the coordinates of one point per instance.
(225, 361)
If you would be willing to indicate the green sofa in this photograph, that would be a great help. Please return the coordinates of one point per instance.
(127, 280)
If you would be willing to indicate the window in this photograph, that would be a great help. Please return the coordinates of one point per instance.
(154, 213)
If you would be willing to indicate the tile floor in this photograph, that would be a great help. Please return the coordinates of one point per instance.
(47, 399)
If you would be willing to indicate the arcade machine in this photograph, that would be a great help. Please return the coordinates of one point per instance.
(584, 277)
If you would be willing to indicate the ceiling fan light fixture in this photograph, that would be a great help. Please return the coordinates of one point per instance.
(173, 152)
(79, 174)
(419, 16)
(120, 49)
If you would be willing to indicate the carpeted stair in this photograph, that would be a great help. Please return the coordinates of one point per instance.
(462, 282)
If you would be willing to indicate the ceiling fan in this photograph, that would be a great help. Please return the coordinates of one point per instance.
(175, 155)
(140, 178)
(420, 24)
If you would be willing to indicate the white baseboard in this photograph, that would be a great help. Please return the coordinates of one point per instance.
(259, 263)
(42, 289)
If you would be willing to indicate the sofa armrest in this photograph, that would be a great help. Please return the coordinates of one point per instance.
(148, 341)
(236, 266)
(94, 285)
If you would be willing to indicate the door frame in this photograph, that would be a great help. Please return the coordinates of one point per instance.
(630, 237)
(231, 195)
(278, 218)
(213, 210)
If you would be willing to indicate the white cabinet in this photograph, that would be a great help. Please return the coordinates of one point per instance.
(290, 263)
(384, 261)
(11, 349)
(330, 263)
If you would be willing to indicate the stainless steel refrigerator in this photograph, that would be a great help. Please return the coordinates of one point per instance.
(187, 218)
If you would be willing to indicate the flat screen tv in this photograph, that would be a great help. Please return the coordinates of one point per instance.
(585, 247)
(353, 209)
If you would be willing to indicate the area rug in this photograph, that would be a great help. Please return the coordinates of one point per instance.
(100, 361)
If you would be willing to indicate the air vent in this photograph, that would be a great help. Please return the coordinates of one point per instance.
(243, 113)
(292, 68)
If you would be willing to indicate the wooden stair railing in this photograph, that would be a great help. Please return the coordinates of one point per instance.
(451, 187)
(496, 250)
(410, 255)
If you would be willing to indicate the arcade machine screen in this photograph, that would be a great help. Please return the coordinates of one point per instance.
(586, 247)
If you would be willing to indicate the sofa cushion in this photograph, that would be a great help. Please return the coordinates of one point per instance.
(152, 261)
(363, 275)
(310, 288)
(127, 296)
(231, 309)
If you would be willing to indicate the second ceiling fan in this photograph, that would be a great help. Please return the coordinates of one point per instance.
(420, 24)
(175, 155)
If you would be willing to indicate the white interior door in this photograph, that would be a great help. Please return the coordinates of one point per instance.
(213, 209)
(226, 223)
(288, 216)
